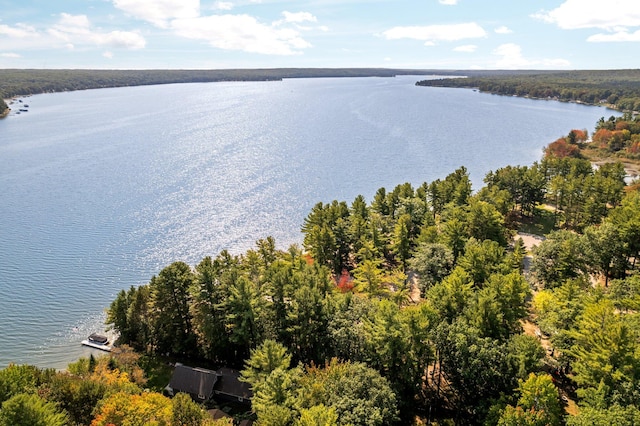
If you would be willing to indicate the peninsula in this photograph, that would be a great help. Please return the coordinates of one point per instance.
(616, 89)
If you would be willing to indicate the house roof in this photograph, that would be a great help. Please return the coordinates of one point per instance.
(203, 383)
(229, 384)
(195, 381)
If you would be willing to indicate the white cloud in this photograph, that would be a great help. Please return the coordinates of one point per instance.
(470, 48)
(448, 2)
(241, 32)
(512, 58)
(298, 17)
(160, 12)
(223, 31)
(70, 27)
(20, 31)
(70, 32)
(503, 30)
(76, 30)
(73, 22)
(607, 15)
(10, 55)
(618, 36)
(433, 33)
(120, 39)
(223, 5)
(108, 55)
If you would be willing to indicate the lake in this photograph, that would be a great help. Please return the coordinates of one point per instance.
(100, 189)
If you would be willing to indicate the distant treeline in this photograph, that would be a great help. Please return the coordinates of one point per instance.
(20, 82)
(15, 82)
(619, 89)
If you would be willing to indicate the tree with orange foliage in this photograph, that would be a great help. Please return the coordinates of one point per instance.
(634, 148)
(602, 137)
(577, 136)
(613, 140)
(561, 149)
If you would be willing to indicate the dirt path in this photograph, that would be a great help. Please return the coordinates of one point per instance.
(531, 329)
(529, 240)
(414, 287)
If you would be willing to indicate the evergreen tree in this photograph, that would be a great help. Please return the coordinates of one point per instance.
(30, 410)
(171, 316)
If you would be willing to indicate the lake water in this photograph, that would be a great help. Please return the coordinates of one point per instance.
(100, 189)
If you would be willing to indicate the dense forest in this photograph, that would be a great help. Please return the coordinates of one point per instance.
(619, 89)
(424, 305)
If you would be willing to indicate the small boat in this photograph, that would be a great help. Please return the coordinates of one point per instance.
(97, 341)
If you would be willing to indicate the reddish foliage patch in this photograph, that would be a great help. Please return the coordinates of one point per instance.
(578, 135)
(602, 137)
(345, 282)
(561, 149)
(307, 257)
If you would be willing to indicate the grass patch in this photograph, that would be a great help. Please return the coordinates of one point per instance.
(158, 372)
(543, 221)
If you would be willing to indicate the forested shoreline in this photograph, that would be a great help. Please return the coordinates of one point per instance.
(617, 89)
(22, 82)
(420, 305)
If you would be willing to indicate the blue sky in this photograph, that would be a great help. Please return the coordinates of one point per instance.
(215, 34)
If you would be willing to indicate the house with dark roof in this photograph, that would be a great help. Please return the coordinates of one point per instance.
(197, 382)
(230, 388)
(203, 385)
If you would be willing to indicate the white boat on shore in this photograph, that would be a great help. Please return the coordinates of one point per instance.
(97, 341)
